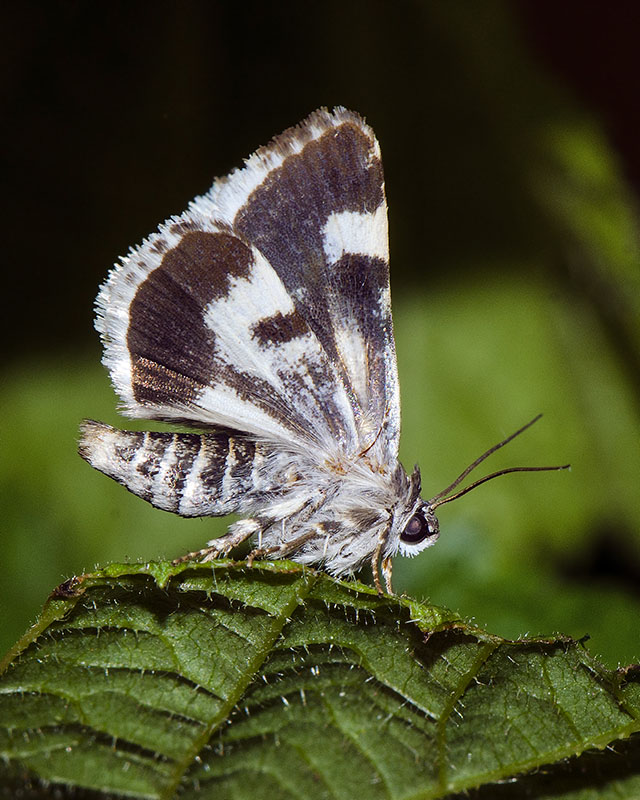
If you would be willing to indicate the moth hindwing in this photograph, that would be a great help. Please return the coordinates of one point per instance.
(262, 316)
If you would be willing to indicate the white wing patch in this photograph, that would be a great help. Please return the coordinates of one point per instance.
(351, 345)
(223, 406)
(357, 232)
(234, 316)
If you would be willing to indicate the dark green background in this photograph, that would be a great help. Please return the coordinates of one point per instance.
(508, 133)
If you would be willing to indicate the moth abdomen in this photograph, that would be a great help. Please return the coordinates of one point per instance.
(190, 474)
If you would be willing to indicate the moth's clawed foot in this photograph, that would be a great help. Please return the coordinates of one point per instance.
(220, 548)
(212, 553)
(260, 552)
(202, 556)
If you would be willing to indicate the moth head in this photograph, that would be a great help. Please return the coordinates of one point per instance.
(419, 530)
(416, 525)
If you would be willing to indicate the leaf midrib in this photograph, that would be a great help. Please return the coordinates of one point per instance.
(259, 656)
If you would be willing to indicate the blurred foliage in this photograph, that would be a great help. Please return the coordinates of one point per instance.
(509, 221)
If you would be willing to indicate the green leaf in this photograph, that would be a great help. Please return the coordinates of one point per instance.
(153, 681)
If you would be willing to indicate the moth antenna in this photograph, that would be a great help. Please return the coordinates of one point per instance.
(442, 497)
(491, 477)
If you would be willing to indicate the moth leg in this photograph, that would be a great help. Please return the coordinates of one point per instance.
(283, 550)
(387, 568)
(375, 566)
(221, 547)
(303, 513)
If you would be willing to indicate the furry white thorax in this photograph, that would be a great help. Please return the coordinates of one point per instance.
(342, 510)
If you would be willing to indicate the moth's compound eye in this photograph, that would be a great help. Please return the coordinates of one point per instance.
(419, 528)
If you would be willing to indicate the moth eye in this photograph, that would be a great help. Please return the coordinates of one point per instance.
(417, 529)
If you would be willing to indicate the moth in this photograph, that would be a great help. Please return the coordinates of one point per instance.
(262, 317)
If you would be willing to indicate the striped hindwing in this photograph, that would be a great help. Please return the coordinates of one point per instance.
(264, 308)
(199, 327)
(193, 475)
